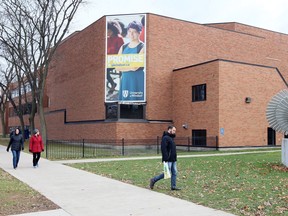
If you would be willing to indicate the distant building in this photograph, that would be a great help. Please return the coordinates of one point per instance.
(209, 80)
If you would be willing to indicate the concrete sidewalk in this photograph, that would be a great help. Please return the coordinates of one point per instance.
(79, 193)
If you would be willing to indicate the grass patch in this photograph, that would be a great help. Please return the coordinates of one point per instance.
(18, 198)
(252, 184)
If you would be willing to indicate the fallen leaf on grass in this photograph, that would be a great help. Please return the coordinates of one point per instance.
(259, 213)
(280, 168)
(245, 208)
(267, 203)
(281, 210)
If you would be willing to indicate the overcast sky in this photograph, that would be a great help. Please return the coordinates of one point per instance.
(267, 14)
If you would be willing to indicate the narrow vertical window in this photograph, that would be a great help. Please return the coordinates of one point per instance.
(111, 111)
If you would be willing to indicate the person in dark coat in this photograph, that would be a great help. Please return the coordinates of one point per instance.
(169, 154)
(36, 147)
(17, 144)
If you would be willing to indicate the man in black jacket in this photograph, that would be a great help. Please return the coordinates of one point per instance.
(169, 154)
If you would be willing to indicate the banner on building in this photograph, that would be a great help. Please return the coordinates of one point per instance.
(125, 80)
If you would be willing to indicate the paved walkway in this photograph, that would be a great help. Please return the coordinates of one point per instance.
(78, 192)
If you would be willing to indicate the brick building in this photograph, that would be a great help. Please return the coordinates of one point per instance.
(207, 79)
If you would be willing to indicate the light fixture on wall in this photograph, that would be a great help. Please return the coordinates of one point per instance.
(248, 100)
(185, 126)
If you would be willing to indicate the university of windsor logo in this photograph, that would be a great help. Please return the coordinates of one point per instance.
(125, 93)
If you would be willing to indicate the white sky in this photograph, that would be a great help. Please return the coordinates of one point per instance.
(267, 14)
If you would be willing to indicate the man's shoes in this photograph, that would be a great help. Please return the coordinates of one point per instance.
(152, 184)
(175, 188)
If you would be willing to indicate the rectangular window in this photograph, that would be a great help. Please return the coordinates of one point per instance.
(131, 111)
(25, 109)
(112, 111)
(124, 111)
(199, 93)
(199, 138)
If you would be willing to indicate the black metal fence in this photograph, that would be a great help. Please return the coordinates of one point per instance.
(88, 148)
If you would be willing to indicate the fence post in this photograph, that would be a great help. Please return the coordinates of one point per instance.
(157, 144)
(83, 145)
(47, 148)
(188, 144)
(123, 147)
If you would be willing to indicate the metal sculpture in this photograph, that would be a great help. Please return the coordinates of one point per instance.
(277, 116)
(277, 112)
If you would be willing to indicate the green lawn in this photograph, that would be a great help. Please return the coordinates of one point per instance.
(252, 184)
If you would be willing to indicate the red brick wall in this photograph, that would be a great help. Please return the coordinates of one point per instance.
(77, 75)
(76, 79)
(227, 26)
(198, 115)
(175, 44)
(227, 85)
(245, 124)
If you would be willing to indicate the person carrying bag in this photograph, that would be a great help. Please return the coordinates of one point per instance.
(169, 158)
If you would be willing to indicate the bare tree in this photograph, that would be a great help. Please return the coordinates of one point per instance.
(5, 76)
(3, 102)
(12, 89)
(33, 30)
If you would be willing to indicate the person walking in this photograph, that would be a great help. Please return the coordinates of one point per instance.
(17, 144)
(169, 154)
(36, 147)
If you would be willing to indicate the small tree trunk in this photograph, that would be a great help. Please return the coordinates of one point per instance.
(42, 115)
(43, 124)
(32, 116)
(3, 123)
(22, 124)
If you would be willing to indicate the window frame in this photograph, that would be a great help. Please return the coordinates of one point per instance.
(196, 93)
(199, 139)
(120, 112)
